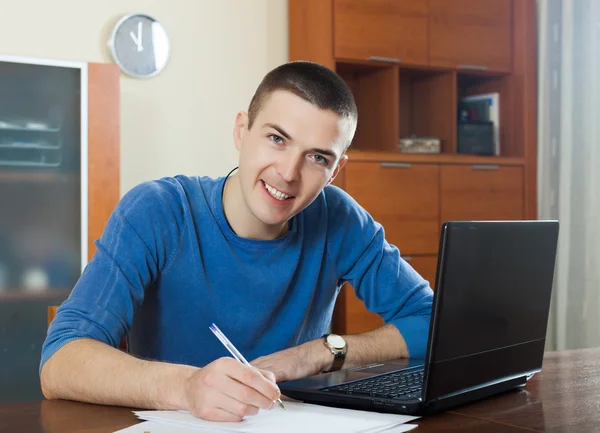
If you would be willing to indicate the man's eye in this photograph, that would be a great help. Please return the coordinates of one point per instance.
(320, 160)
(276, 138)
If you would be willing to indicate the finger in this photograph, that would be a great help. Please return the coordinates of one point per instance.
(244, 394)
(251, 376)
(268, 374)
(235, 408)
(219, 415)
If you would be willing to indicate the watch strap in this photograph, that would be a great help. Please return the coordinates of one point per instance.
(339, 356)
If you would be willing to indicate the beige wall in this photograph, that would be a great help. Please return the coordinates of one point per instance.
(181, 120)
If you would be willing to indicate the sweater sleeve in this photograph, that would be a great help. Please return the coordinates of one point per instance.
(384, 281)
(139, 240)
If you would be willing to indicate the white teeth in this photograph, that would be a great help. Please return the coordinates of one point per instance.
(275, 193)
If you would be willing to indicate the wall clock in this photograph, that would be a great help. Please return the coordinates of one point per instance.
(139, 45)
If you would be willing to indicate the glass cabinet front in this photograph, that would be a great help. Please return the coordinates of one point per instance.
(42, 205)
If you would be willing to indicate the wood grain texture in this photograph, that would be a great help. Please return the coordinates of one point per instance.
(103, 148)
(446, 159)
(428, 106)
(350, 314)
(384, 28)
(62, 416)
(562, 398)
(470, 193)
(375, 89)
(471, 32)
(525, 96)
(310, 25)
(405, 200)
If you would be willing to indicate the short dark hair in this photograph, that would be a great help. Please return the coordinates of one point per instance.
(312, 82)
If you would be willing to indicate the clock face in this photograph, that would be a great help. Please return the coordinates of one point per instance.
(140, 46)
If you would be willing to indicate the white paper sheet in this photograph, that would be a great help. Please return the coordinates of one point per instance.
(299, 417)
(163, 427)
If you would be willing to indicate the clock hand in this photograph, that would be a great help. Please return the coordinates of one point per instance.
(139, 38)
(135, 39)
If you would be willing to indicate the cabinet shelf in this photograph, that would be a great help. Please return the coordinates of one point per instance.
(36, 176)
(30, 295)
(398, 100)
(7, 127)
(433, 158)
(369, 62)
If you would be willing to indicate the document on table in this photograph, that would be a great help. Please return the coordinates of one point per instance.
(299, 417)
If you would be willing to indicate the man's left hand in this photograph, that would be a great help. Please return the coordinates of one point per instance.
(305, 360)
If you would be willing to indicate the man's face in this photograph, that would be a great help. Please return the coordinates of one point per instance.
(292, 152)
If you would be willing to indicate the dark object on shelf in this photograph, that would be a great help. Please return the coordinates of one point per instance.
(416, 144)
(476, 138)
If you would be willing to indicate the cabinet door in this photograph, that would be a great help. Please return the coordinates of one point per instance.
(352, 317)
(59, 182)
(470, 33)
(404, 198)
(393, 29)
(481, 192)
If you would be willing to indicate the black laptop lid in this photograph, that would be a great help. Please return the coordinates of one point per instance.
(491, 303)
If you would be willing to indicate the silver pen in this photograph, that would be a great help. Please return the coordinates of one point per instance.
(236, 354)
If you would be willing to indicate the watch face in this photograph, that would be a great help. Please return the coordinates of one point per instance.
(140, 46)
(336, 341)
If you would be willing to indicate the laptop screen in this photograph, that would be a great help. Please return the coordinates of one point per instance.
(492, 302)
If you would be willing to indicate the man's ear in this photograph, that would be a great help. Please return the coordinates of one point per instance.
(240, 129)
(340, 165)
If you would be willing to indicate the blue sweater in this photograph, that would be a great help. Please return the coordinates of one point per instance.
(168, 265)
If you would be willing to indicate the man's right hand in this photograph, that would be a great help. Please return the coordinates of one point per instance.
(227, 390)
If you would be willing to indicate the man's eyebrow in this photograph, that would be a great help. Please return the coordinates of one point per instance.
(325, 152)
(279, 129)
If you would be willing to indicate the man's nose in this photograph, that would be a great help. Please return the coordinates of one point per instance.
(289, 167)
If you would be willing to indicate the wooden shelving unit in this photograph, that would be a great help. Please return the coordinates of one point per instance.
(408, 64)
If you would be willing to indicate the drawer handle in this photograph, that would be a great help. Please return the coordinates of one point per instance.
(485, 167)
(385, 59)
(407, 259)
(395, 164)
(473, 67)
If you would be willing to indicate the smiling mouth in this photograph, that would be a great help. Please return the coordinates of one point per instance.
(275, 193)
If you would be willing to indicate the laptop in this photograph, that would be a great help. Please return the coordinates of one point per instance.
(487, 331)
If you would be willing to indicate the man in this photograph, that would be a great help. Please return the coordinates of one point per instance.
(261, 252)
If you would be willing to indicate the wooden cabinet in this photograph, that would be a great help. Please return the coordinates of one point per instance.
(409, 63)
(471, 34)
(378, 127)
(352, 317)
(481, 192)
(392, 30)
(403, 197)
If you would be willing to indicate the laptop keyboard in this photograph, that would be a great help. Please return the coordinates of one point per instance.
(400, 384)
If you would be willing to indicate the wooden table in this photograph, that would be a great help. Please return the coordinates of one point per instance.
(565, 397)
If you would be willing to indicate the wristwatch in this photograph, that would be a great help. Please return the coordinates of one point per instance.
(338, 347)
